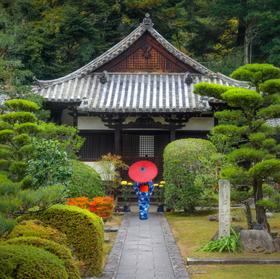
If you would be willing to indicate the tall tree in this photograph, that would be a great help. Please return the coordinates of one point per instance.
(243, 133)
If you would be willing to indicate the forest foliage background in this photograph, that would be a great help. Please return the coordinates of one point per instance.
(50, 38)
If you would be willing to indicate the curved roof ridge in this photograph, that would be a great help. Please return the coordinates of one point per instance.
(133, 36)
(238, 82)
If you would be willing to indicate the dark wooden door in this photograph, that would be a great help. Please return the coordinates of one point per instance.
(144, 146)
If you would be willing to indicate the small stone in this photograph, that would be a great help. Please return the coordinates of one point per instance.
(213, 218)
(276, 243)
(107, 239)
(257, 241)
(111, 229)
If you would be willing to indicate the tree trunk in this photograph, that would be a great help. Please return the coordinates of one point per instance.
(248, 214)
(246, 46)
(260, 210)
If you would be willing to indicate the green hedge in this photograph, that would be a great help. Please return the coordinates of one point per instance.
(27, 262)
(85, 181)
(84, 231)
(188, 171)
(36, 228)
(61, 251)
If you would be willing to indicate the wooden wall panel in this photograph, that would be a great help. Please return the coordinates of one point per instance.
(146, 55)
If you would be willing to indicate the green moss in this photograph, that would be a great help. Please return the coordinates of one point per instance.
(37, 228)
(27, 262)
(61, 251)
(84, 231)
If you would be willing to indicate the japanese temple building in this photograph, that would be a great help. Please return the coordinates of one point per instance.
(134, 98)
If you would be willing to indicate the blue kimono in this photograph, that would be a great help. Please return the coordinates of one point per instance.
(143, 199)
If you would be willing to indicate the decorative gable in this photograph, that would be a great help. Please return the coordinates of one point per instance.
(146, 55)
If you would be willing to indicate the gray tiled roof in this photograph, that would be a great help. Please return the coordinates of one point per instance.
(133, 92)
(125, 92)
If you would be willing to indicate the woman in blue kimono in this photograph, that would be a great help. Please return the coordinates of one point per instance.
(144, 192)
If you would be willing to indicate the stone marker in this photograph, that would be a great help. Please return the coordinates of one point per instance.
(224, 208)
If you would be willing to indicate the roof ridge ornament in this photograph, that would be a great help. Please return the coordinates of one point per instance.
(147, 21)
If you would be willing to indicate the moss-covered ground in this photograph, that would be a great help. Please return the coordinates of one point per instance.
(192, 232)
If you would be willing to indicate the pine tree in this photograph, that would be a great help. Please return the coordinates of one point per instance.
(243, 132)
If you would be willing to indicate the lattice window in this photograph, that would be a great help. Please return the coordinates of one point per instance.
(146, 146)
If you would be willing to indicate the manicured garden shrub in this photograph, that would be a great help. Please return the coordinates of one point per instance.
(36, 228)
(61, 251)
(189, 170)
(27, 262)
(84, 231)
(102, 206)
(85, 181)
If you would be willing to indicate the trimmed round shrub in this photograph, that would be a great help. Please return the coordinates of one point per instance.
(188, 171)
(85, 181)
(84, 231)
(61, 251)
(27, 262)
(36, 228)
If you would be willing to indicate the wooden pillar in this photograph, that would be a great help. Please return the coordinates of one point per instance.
(172, 133)
(75, 118)
(117, 139)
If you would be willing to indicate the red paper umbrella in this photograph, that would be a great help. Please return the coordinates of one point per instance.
(142, 171)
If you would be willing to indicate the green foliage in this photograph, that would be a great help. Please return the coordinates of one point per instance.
(246, 155)
(266, 168)
(50, 164)
(21, 105)
(66, 135)
(38, 229)
(189, 169)
(210, 89)
(84, 231)
(229, 244)
(29, 128)
(18, 117)
(250, 144)
(270, 86)
(266, 203)
(256, 73)
(6, 225)
(230, 117)
(61, 251)
(242, 98)
(85, 181)
(272, 111)
(25, 261)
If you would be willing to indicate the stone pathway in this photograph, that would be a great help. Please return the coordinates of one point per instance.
(146, 250)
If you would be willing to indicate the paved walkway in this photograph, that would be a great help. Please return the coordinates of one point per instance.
(146, 250)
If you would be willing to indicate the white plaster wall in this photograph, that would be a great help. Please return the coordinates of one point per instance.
(91, 123)
(199, 124)
(104, 170)
(194, 124)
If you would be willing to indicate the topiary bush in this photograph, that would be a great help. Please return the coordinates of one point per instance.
(189, 169)
(84, 231)
(36, 228)
(85, 181)
(61, 251)
(24, 262)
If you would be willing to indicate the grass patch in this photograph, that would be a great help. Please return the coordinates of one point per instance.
(192, 232)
